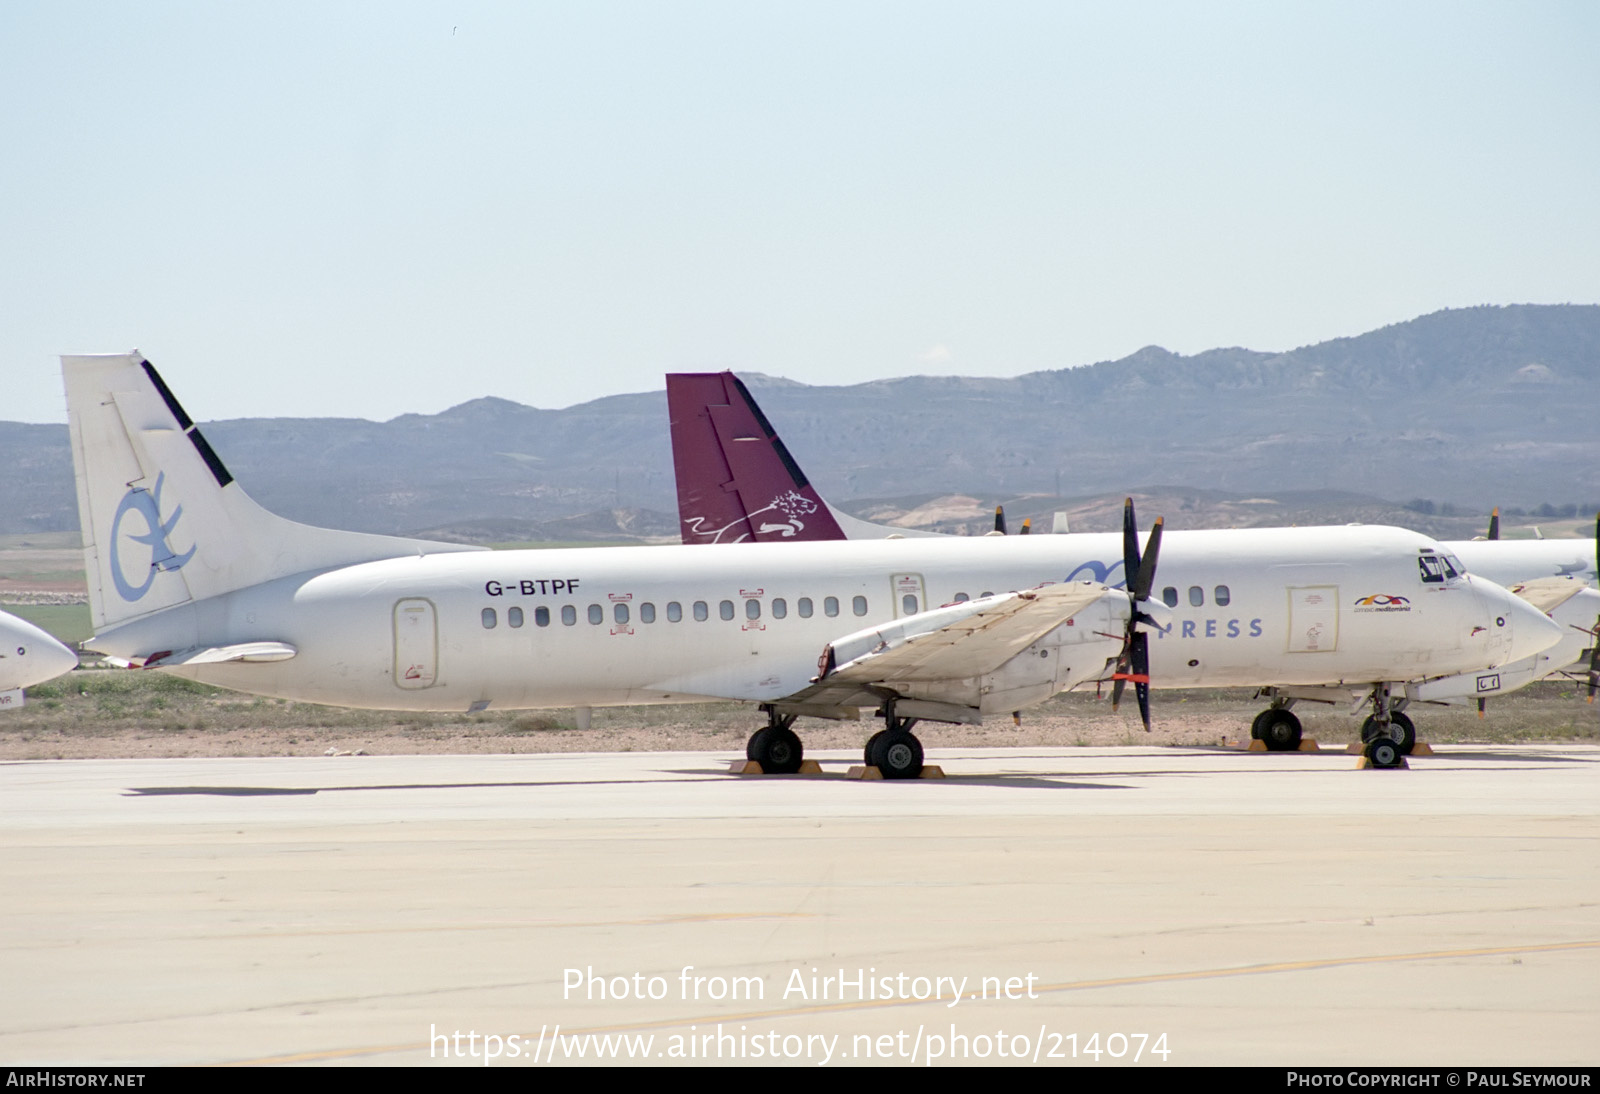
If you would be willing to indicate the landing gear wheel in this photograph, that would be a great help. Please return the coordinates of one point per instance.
(1400, 731)
(776, 749)
(1384, 752)
(1280, 731)
(1260, 722)
(872, 743)
(896, 754)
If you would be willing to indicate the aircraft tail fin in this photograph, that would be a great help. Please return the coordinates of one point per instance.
(736, 478)
(163, 521)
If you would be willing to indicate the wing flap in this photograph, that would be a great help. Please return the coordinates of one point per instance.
(244, 652)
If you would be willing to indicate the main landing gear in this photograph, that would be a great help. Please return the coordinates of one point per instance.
(775, 746)
(1277, 728)
(894, 750)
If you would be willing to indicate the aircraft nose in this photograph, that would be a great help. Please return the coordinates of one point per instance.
(1531, 630)
(31, 655)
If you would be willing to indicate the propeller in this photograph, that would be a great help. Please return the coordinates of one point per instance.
(1494, 523)
(1139, 574)
(1027, 526)
(1594, 651)
(1000, 519)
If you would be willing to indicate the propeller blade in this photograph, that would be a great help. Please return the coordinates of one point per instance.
(1130, 545)
(1000, 519)
(1494, 523)
(1594, 651)
(1027, 525)
(1141, 675)
(1147, 565)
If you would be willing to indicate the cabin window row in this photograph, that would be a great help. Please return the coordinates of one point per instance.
(1220, 596)
(700, 609)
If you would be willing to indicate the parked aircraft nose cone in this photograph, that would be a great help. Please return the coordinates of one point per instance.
(29, 656)
(1531, 630)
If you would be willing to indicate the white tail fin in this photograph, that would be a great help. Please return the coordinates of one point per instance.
(163, 521)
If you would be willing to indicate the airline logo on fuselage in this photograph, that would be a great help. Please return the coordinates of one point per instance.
(1383, 602)
(146, 505)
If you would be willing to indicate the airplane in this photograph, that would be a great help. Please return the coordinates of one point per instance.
(188, 575)
(28, 656)
(732, 466)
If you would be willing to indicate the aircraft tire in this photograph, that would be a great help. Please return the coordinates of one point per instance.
(1281, 732)
(776, 749)
(898, 754)
(1383, 752)
(753, 747)
(1401, 731)
(872, 743)
(1259, 723)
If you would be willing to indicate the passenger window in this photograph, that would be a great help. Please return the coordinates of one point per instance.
(488, 619)
(985, 593)
(962, 598)
(1169, 597)
(514, 616)
(1222, 596)
(804, 607)
(725, 609)
(752, 609)
(701, 612)
(619, 613)
(597, 614)
(647, 612)
(859, 605)
(780, 608)
(908, 604)
(830, 606)
(541, 617)
(674, 612)
(1197, 596)
(569, 615)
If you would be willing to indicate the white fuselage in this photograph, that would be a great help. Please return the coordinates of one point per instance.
(1508, 561)
(466, 631)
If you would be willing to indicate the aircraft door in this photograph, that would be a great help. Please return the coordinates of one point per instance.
(1313, 619)
(416, 644)
(910, 597)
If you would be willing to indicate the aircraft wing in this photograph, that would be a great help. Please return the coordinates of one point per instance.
(1548, 593)
(964, 660)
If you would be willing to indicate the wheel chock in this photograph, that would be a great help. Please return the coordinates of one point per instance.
(1365, 763)
(750, 767)
(867, 774)
(1307, 744)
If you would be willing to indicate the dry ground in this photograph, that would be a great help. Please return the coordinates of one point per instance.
(114, 714)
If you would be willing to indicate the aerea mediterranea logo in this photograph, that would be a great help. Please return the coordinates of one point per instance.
(146, 505)
(1383, 602)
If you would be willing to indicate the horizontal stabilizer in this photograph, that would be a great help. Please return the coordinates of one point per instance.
(243, 652)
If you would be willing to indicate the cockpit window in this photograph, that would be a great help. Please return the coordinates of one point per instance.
(1434, 569)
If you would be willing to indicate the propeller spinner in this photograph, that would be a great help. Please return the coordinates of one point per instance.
(1140, 574)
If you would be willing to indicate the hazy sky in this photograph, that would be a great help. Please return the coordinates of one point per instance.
(370, 209)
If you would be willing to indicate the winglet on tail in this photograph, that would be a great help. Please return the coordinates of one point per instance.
(163, 521)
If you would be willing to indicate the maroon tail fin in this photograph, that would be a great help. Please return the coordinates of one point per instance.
(736, 480)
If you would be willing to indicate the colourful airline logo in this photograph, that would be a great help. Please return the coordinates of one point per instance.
(1382, 602)
(147, 506)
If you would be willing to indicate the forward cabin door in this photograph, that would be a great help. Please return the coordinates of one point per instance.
(416, 644)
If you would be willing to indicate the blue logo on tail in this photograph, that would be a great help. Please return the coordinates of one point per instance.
(162, 557)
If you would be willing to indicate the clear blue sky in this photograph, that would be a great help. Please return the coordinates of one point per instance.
(370, 209)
